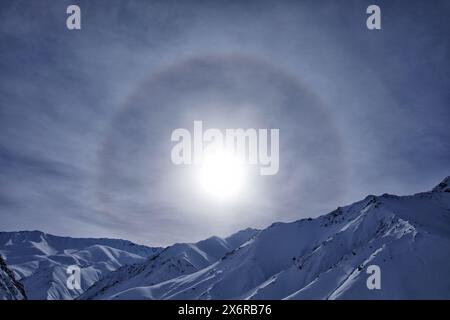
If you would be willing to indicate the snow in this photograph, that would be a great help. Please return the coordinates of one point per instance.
(408, 237)
(322, 258)
(175, 261)
(40, 260)
(10, 288)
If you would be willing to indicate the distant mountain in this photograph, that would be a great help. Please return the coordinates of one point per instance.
(10, 288)
(407, 237)
(40, 260)
(178, 260)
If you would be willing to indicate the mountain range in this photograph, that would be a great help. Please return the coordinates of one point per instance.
(40, 260)
(406, 237)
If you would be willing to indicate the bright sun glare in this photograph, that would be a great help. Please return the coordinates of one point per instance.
(221, 175)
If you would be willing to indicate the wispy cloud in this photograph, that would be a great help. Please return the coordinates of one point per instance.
(86, 116)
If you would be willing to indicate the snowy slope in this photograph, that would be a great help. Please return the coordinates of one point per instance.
(40, 260)
(174, 261)
(408, 237)
(10, 288)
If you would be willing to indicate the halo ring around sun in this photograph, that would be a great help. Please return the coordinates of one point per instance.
(223, 91)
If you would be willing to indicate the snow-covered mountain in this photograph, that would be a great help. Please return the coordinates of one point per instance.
(40, 260)
(10, 288)
(408, 237)
(174, 261)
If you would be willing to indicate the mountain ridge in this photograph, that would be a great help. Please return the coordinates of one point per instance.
(325, 257)
(10, 288)
(40, 260)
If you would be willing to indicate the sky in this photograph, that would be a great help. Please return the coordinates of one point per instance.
(86, 115)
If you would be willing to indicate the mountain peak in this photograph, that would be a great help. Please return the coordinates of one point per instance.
(444, 186)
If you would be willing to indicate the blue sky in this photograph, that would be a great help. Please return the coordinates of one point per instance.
(86, 116)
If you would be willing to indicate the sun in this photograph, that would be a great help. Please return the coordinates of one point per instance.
(221, 175)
